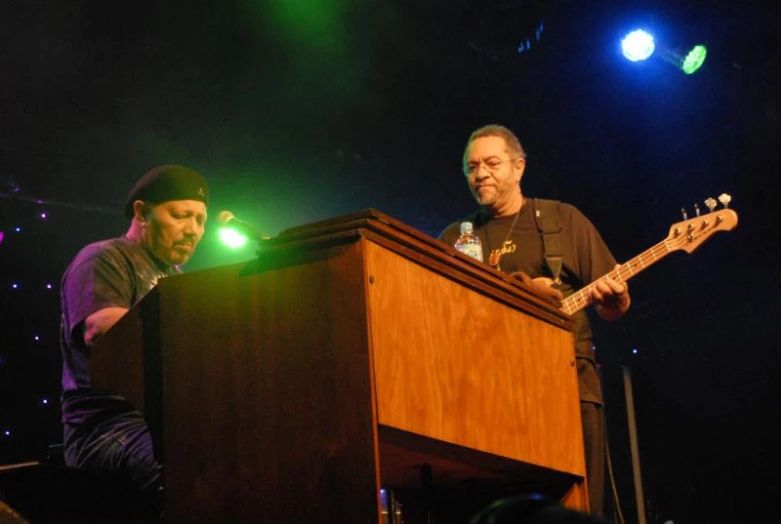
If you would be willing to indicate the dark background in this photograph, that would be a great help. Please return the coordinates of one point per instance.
(299, 110)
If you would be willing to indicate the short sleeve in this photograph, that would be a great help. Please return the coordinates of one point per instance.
(93, 284)
(593, 257)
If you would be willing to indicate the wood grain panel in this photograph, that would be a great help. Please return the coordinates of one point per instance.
(429, 252)
(456, 366)
(121, 371)
(268, 398)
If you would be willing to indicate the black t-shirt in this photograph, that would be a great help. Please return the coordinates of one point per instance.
(585, 259)
(113, 273)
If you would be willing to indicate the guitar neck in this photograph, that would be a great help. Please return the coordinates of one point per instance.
(582, 298)
(687, 236)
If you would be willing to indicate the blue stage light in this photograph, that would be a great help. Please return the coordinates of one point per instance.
(638, 45)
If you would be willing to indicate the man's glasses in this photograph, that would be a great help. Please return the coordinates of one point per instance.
(492, 165)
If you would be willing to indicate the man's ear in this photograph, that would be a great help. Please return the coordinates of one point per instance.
(519, 167)
(141, 210)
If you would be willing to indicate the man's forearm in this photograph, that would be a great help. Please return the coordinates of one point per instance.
(98, 323)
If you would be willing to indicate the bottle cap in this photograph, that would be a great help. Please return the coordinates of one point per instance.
(466, 227)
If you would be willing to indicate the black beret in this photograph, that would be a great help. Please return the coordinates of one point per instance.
(165, 183)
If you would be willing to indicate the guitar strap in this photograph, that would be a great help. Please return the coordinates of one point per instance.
(546, 214)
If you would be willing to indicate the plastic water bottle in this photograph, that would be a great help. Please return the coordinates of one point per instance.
(469, 243)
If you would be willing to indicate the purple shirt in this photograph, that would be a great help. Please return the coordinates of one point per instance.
(113, 273)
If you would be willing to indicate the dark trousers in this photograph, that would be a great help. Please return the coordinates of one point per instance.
(121, 448)
(593, 418)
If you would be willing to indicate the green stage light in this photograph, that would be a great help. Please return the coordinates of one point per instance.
(688, 62)
(694, 59)
(232, 238)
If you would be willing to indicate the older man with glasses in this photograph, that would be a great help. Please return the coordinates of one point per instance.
(510, 227)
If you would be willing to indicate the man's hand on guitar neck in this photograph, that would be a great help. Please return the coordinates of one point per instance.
(611, 298)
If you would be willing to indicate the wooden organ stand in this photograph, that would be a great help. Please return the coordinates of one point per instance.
(353, 354)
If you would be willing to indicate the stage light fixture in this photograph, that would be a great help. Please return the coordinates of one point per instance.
(638, 45)
(688, 62)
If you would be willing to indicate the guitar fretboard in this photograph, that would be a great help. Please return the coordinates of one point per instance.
(582, 298)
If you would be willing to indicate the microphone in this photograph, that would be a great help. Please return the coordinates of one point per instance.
(227, 218)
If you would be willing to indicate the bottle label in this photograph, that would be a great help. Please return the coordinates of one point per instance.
(471, 249)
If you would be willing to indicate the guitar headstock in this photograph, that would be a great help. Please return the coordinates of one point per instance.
(689, 234)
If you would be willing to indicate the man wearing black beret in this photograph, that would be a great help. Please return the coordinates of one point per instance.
(103, 432)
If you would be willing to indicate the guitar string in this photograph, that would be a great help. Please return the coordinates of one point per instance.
(578, 301)
(581, 298)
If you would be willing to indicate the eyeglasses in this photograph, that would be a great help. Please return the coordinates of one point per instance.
(492, 165)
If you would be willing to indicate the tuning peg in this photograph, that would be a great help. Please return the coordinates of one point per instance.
(725, 199)
(683, 212)
(696, 209)
(711, 204)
